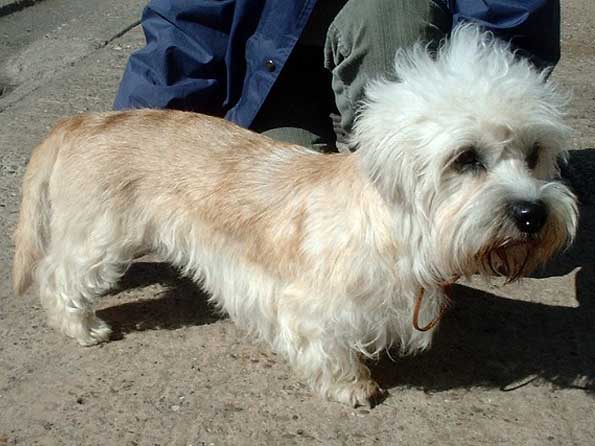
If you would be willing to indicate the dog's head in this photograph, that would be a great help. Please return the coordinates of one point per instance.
(467, 143)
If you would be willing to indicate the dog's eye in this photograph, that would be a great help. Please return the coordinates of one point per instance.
(533, 157)
(468, 161)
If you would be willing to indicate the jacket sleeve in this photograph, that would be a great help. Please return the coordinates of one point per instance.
(533, 26)
(182, 65)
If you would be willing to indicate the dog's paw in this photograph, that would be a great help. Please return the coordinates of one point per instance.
(97, 332)
(361, 393)
(88, 330)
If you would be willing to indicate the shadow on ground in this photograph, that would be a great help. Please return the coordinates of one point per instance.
(490, 341)
(485, 340)
(181, 304)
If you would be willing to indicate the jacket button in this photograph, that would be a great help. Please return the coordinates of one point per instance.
(270, 65)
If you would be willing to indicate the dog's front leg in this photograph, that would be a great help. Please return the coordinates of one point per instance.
(312, 338)
(337, 373)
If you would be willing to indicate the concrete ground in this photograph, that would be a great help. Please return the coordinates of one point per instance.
(512, 365)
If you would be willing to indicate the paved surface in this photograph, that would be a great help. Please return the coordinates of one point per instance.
(512, 365)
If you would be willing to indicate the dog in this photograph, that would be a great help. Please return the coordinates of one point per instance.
(330, 258)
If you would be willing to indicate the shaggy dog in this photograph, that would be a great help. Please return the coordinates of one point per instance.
(329, 258)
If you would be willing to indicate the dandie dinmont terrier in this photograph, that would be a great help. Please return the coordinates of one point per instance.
(330, 258)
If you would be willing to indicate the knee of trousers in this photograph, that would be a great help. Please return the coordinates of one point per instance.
(363, 38)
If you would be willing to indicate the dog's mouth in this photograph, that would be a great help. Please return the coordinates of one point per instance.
(509, 258)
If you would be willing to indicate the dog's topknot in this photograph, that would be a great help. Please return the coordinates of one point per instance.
(472, 66)
(472, 77)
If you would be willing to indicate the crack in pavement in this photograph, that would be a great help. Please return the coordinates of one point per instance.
(120, 33)
(20, 92)
(15, 6)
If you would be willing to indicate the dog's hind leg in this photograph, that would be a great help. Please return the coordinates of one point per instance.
(68, 300)
(73, 275)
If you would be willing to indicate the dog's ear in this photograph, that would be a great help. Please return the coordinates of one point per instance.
(387, 154)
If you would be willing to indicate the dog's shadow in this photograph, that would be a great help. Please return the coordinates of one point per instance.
(490, 341)
(485, 340)
(179, 302)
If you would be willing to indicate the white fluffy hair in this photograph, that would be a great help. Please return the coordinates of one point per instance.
(322, 256)
(475, 93)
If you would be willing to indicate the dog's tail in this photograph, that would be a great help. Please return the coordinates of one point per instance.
(32, 234)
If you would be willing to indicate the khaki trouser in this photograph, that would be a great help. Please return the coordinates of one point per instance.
(345, 44)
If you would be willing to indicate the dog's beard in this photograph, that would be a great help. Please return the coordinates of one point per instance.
(500, 250)
(517, 255)
(510, 258)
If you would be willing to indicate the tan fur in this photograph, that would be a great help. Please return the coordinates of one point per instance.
(32, 234)
(269, 205)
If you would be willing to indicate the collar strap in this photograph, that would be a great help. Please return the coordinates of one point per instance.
(418, 301)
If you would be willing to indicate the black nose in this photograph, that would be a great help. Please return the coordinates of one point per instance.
(529, 216)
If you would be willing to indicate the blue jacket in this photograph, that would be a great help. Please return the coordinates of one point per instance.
(222, 57)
